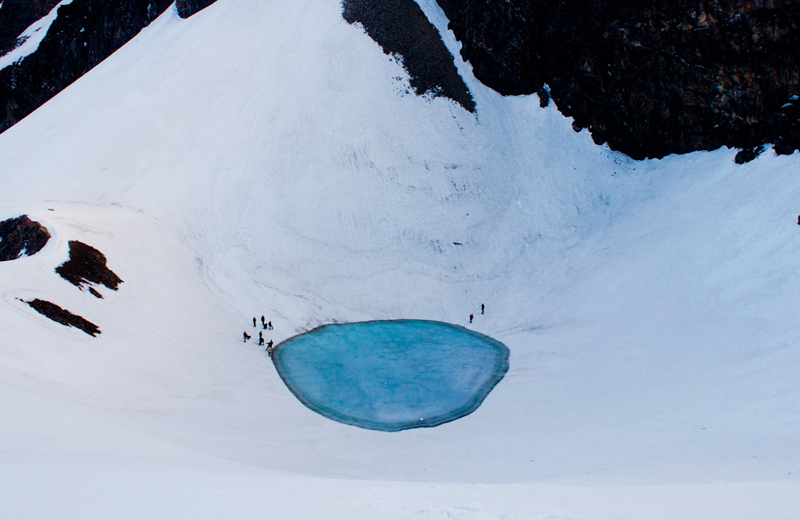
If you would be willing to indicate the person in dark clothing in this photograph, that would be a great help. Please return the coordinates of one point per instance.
(798, 220)
(263, 323)
(254, 321)
(260, 342)
(269, 348)
(269, 325)
(482, 307)
(246, 336)
(470, 318)
(261, 337)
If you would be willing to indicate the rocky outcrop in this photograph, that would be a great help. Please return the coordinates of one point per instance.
(63, 316)
(648, 77)
(187, 8)
(401, 29)
(85, 33)
(87, 266)
(21, 236)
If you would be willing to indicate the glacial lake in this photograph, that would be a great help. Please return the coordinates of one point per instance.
(391, 375)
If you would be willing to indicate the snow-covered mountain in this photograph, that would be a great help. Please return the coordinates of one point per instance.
(266, 157)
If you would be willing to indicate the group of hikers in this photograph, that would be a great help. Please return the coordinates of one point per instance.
(483, 307)
(265, 325)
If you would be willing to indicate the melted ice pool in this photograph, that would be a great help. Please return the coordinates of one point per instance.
(391, 375)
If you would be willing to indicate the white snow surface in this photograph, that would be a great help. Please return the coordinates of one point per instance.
(28, 42)
(259, 158)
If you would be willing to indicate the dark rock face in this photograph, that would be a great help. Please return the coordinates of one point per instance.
(87, 265)
(496, 37)
(21, 237)
(401, 28)
(85, 33)
(18, 15)
(63, 316)
(649, 77)
(187, 8)
(748, 154)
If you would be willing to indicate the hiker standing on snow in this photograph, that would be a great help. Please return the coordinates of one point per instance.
(269, 325)
(246, 336)
(470, 318)
(254, 321)
(260, 338)
(263, 323)
(482, 307)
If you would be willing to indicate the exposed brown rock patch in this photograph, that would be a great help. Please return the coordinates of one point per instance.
(21, 236)
(64, 317)
(87, 266)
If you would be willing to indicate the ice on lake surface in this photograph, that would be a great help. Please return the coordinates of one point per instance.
(392, 375)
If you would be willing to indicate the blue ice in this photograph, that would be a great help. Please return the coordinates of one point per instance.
(391, 375)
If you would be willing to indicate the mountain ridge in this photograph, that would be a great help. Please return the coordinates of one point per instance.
(649, 78)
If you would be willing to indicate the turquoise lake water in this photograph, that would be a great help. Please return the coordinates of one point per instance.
(391, 375)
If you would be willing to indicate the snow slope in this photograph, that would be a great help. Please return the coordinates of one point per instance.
(261, 157)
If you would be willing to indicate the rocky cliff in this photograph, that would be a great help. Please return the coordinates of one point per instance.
(648, 77)
(187, 8)
(85, 33)
(16, 16)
